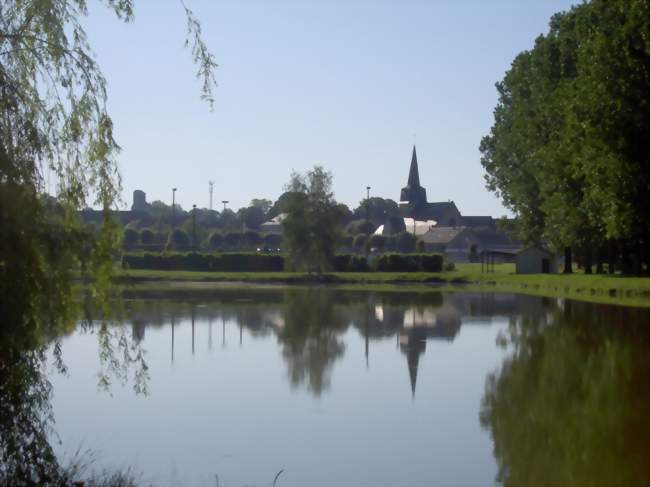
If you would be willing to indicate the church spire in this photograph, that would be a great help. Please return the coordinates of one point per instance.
(413, 194)
(414, 174)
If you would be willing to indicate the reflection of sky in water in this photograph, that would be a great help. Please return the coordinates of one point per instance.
(390, 395)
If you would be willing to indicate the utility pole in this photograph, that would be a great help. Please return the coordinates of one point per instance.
(211, 186)
(173, 208)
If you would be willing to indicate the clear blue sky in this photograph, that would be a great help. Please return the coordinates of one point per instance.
(342, 83)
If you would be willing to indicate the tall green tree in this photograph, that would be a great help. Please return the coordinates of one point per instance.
(568, 151)
(312, 226)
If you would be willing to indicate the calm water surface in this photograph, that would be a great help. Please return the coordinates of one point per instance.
(362, 389)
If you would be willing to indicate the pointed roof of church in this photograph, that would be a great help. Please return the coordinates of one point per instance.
(414, 174)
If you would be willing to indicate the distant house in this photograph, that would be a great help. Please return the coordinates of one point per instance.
(274, 225)
(465, 244)
(457, 243)
(535, 260)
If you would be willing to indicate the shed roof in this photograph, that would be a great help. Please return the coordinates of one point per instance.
(442, 235)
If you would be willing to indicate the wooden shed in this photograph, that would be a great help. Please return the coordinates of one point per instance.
(536, 260)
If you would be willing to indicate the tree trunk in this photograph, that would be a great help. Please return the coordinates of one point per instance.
(626, 262)
(568, 258)
(600, 255)
(636, 259)
(611, 257)
(588, 259)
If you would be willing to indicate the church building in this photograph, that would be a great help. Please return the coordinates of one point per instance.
(440, 226)
(413, 204)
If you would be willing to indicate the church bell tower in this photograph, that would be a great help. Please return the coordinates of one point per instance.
(413, 194)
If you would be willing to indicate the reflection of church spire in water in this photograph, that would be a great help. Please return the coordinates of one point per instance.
(413, 359)
(413, 344)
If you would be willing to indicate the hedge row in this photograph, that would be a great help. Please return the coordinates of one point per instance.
(409, 263)
(194, 261)
(260, 262)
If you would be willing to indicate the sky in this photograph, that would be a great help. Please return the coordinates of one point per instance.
(346, 84)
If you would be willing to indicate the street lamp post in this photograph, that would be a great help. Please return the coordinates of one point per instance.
(225, 202)
(173, 208)
(194, 225)
(368, 203)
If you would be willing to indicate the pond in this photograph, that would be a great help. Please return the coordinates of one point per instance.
(349, 388)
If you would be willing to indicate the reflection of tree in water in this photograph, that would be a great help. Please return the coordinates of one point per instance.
(569, 406)
(309, 337)
(25, 419)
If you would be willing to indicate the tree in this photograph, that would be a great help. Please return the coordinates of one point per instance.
(406, 242)
(356, 227)
(178, 239)
(360, 242)
(280, 206)
(215, 241)
(568, 151)
(263, 204)
(312, 226)
(376, 208)
(252, 217)
(54, 120)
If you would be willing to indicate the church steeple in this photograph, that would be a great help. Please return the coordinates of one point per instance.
(414, 174)
(414, 194)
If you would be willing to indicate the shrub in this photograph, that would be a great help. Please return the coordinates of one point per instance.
(405, 242)
(233, 239)
(178, 239)
(147, 237)
(252, 238)
(378, 242)
(346, 241)
(409, 262)
(259, 262)
(272, 240)
(195, 261)
(215, 241)
(131, 236)
(359, 242)
(350, 263)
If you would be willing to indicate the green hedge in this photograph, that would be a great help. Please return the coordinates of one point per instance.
(260, 262)
(194, 261)
(350, 263)
(409, 263)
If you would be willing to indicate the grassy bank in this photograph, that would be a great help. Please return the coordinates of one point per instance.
(598, 288)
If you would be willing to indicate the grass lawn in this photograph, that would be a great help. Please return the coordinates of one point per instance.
(634, 291)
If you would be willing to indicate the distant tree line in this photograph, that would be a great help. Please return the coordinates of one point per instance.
(314, 218)
(570, 146)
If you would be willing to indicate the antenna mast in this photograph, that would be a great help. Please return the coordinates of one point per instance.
(211, 185)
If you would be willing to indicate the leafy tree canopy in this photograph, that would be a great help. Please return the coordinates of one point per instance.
(312, 226)
(570, 145)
